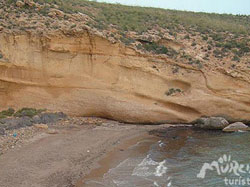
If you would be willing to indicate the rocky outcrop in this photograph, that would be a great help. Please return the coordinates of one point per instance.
(86, 75)
(212, 123)
(238, 126)
(20, 3)
(55, 12)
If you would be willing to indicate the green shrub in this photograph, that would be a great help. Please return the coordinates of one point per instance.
(139, 46)
(229, 45)
(218, 44)
(44, 11)
(30, 112)
(127, 41)
(210, 42)
(172, 91)
(217, 37)
(244, 50)
(217, 52)
(187, 37)
(236, 58)
(155, 48)
(193, 44)
(7, 113)
(204, 38)
(196, 63)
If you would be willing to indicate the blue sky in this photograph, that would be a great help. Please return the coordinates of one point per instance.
(217, 6)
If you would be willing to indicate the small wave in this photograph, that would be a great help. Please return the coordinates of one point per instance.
(161, 144)
(169, 184)
(161, 169)
(138, 143)
(241, 131)
(119, 183)
(156, 184)
(149, 167)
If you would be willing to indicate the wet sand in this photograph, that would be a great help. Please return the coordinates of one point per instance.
(117, 155)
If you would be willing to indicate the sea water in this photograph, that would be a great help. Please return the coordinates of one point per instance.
(177, 159)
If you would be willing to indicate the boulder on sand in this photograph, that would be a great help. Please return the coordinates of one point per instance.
(238, 126)
(47, 118)
(212, 123)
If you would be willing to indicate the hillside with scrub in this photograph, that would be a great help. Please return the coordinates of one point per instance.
(192, 38)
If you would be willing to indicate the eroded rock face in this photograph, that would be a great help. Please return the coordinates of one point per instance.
(212, 123)
(86, 75)
(238, 126)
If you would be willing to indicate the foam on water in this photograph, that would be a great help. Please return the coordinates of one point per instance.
(149, 167)
(156, 184)
(137, 171)
(161, 169)
(120, 183)
(169, 184)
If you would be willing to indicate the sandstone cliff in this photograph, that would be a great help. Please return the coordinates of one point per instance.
(87, 75)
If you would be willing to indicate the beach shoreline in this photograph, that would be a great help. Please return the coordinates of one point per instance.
(64, 158)
(117, 154)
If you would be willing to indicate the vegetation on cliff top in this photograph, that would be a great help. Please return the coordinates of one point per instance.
(141, 19)
(178, 34)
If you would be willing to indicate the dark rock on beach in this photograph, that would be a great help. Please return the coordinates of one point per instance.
(238, 126)
(47, 118)
(212, 123)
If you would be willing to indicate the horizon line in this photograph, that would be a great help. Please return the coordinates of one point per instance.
(183, 10)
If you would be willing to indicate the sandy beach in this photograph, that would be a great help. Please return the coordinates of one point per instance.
(68, 154)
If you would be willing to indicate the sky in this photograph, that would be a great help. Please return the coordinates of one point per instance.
(212, 6)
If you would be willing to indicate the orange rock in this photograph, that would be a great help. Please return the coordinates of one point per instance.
(20, 3)
(29, 2)
(86, 75)
(56, 12)
(41, 126)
